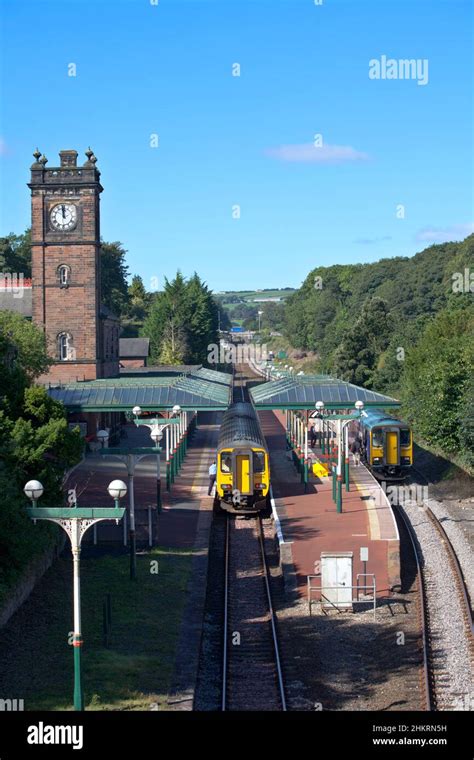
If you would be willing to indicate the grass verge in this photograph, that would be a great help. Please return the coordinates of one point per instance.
(135, 672)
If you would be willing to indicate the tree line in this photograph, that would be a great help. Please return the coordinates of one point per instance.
(403, 326)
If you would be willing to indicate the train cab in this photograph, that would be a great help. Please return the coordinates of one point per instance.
(387, 445)
(243, 471)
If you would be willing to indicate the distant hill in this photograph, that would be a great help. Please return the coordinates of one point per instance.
(318, 315)
(404, 326)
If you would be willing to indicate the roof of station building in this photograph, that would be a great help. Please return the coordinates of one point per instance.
(201, 389)
(303, 391)
(134, 348)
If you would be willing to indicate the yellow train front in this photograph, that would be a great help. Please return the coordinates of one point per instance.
(243, 466)
(387, 445)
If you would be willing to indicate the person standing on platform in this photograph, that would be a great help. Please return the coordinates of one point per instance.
(355, 449)
(212, 477)
(312, 436)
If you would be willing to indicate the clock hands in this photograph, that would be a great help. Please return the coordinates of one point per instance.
(63, 216)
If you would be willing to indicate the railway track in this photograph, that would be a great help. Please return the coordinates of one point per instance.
(445, 612)
(239, 386)
(252, 676)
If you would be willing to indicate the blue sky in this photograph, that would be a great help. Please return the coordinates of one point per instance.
(166, 69)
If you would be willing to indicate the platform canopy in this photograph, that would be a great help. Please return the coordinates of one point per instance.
(199, 390)
(302, 392)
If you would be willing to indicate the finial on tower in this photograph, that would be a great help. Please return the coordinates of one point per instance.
(91, 159)
(37, 156)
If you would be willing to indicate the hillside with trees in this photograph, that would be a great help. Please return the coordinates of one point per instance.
(402, 326)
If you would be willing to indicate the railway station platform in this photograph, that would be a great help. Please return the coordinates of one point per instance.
(177, 524)
(310, 524)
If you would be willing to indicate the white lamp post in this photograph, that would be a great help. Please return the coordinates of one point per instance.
(76, 521)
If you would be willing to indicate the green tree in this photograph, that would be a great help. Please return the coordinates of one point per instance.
(138, 299)
(356, 358)
(437, 381)
(114, 273)
(166, 323)
(15, 253)
(182, 322)
(23, 358)
(202, 320)
(273, 315)
(35, 442)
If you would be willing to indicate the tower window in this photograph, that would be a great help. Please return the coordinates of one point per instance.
(64, 274)
(65, 349)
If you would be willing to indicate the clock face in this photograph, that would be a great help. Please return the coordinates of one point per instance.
(64, 216)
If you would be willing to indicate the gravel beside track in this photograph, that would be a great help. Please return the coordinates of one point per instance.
(450, 639)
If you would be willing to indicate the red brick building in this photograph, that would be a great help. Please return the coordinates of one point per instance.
(82, 335)
(134, 352)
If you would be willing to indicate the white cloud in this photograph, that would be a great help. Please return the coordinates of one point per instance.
(444, 234)
(311, 154)
(371, 241)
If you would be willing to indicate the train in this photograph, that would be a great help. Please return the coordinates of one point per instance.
(387, 445)
(243, 463)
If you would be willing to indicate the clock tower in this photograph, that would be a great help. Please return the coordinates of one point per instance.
(82, 337)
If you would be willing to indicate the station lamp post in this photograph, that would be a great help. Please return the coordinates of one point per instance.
(75, 521)
(130, 458)
(156, 435)
(157, 425)
(342, 422)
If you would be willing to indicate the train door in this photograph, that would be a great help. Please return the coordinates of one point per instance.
(392, 448)
(243, 473)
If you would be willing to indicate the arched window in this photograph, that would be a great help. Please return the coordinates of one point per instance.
(64, 274)
(65, 349)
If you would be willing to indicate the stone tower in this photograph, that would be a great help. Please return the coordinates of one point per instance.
(82, 336)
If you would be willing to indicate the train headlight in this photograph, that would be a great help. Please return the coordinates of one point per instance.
(376, 460)
(406, 460)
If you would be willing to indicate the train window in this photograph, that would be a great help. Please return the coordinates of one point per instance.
(377, 437)
(404, 437)
(258, 461)
(226, 461)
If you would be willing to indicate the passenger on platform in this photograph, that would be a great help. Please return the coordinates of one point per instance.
(312, 436)
(212, 477)
(355, 449)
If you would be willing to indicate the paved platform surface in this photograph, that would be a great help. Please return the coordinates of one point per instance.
(311, 525)
(177, 524)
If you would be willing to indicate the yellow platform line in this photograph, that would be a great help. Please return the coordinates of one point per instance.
(374, 526)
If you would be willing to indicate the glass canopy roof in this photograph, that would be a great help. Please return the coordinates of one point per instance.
(192, 391)
(302, 392)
